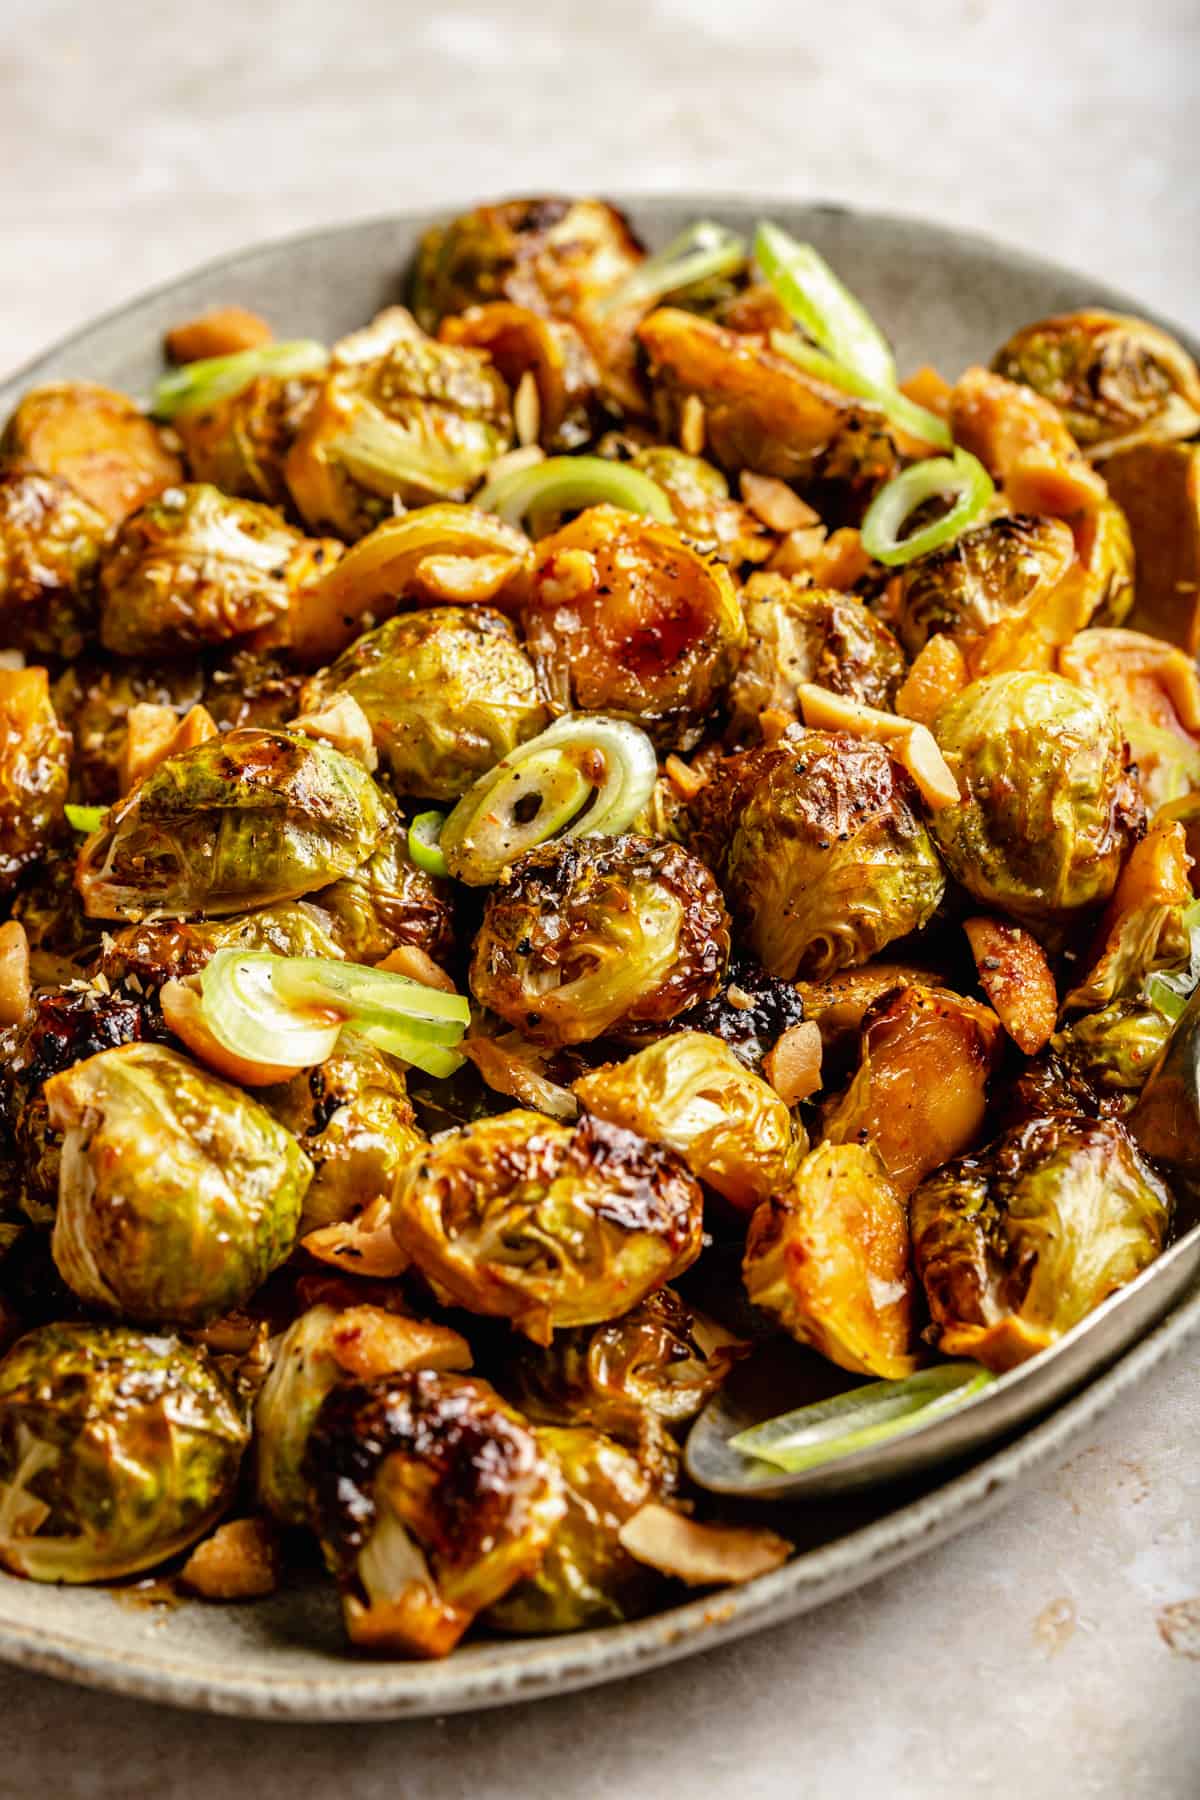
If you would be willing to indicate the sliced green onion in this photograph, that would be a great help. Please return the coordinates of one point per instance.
(584, 776)
(85, 818)
(918, 421)
(700, 253)
(823, 305)
(213, 378)
(568, 484)
(960, 478)
(247, 1014)
(1169, 990)
(423, 845)
(831, 1429)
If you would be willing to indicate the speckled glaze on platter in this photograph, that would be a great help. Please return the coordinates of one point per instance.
(944, 296)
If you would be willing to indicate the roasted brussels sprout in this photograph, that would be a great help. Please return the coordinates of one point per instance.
(448, 693)
(162, 950)
(708, 518)
(1153, 688)
(116, 1451)
(1017, 1244)
(244, 820)
(388, 901)
(1020, 438)
(398, 416)
(50, 544)
(1117, 381)
(195, 567)
(96, 440)
(431, 1498)
(240, 443)
(1111, 1052)
(599, 935)
(690, 1092)
(801, 634)
(1104, 546)
(626, 618)
(830, 1258)
(1051, 805)
(550, 353)
(1158, 486)
(548, 1225)
(586, 1576)
(35, 754)
(178, 1194)
(823, 856)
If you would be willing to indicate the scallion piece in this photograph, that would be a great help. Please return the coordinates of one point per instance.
(423, 845)
(959, 479)
(916, 420)
(568, 484)
(823, 306)
(214, 378)
(85, 818)
(702, 252)
(832, 1429)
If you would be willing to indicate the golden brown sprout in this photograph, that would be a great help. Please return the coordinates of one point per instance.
(830, 1259)
(387, 903)
(626, 618)
(240, 444)
(1154, 690)
(520, 1217)
(808, 634)
(551, 352)
(35, 755)
(1021, 439)
(837, 1003)
(221, 332)
(1158, 486)
(97, 440)
(51, 539)
(1015, 976)
(690, 1092)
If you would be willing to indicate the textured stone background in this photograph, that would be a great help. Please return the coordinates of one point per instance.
(1052, 1654)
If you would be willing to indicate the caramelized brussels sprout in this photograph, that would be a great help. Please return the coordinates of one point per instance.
(162, 950)
(548, 1225)
(388, 901)
(243, 820)
(1158, 487)
(801, 634)
(626, 618)
(195, 567)
(398, 416)
(829, 1257)
(823, 855)
(1051, 805)
(35, 755)
(1117, 381)
(432, 1499)
(1152, 687)
(241, 442)
(93, 700)
(549, 352)
(50, 544)
(1104, 546)
(116, 1451)
(448, 693)
(1111, 1052)
(96, 440)
(597, 935)
(586, 1577)
(1018, 1244)
(178, 1194)
(690, 1092)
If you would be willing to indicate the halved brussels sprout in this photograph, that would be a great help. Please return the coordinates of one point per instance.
(824, 857)
(162, 950)
(240, 443)
(1109, 1054)
(597, 935)
(690, 1092)
(830, 1258)
(388, 901)
(116, 1450)
(178, 1194)
(1051, 804)
(244, 820)
(548, 1225)
(35, 754)
(431, 1498)
(1018, 1244)
(1116, 380)
(448, 692)
(96, 440)
(626, 618)
(195, 567)
(802, 634)
(1153, 688)
(50, 544)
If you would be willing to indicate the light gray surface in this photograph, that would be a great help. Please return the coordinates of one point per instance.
(136, 141)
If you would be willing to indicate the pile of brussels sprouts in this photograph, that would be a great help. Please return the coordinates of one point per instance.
(586, 785)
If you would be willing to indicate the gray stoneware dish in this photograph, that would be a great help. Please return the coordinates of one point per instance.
(944, 296)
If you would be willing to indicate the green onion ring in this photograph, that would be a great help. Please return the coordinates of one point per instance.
(914, 419)
(823, 305)
(569, 484)
(423, 845)
(831, 1429)
(246, 1013)
(960, 477)
(214, 378)
(700, 253)
(85, 818)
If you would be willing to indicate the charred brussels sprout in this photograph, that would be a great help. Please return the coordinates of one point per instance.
(824, 857)
(1051, 806)
(749, 1012)
(34, 762)
(178, 1194)
(1117, 381)
(798, 635)
(431, 1498)
(50, 544)
(548, 1225)
(244, 820)
(596, 935)
(1018, 1244)
(1111, 1052)
(96, 440)
(116, 1450)
(448, 692)
(627, 618)
(196, 567)
(240, 444)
